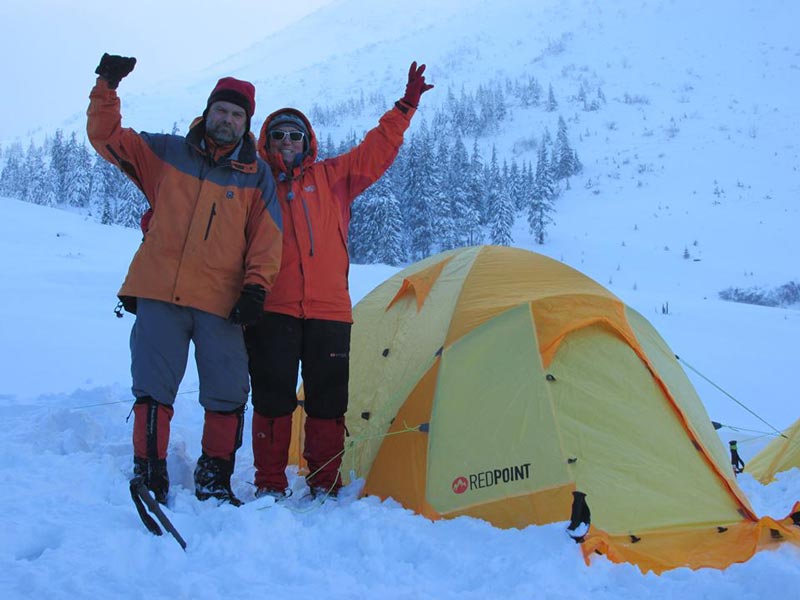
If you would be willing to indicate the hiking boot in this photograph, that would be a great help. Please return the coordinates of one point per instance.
(323, 493)
(278, 495)
(153, 474)
(212, 479)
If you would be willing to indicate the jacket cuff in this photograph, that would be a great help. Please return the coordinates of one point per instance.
(404, 106)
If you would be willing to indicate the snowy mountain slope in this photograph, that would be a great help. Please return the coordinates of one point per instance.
(690, 172)
(696, 133)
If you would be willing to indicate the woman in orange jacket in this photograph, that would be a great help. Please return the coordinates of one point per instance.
(308, 313)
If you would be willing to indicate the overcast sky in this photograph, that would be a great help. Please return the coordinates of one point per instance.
(50, 48)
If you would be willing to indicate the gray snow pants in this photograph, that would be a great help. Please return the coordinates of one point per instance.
(160, 348)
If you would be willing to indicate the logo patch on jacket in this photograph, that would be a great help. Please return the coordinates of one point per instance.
(310, 188)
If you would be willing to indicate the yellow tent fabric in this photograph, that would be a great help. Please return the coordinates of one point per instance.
(494, 382)
(781, 454)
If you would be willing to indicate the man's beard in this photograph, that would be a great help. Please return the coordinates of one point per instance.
(222, 134)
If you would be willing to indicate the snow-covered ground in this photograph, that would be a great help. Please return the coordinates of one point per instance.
(70, 529)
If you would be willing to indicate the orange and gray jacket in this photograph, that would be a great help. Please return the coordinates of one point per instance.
(216, 226)
(315, 199)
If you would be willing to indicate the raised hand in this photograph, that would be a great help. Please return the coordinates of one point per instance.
(114, 68)
(416, 85)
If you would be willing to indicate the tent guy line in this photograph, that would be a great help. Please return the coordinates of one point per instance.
(776, 430)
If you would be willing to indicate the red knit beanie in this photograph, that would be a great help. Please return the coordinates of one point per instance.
(230, 89)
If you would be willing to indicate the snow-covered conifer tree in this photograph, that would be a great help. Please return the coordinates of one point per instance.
(442, 199)
(417, 194)
(551, 105)
(542, 197)
(12, 175)
(501, 211)
(35, 188)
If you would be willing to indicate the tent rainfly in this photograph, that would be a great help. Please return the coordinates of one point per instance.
(501, 384)
(781, 454)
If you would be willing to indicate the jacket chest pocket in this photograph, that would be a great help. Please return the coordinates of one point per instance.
(223, 233)
(211, 215)
(226, 210)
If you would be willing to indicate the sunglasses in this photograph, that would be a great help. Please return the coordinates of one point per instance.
(278, 135)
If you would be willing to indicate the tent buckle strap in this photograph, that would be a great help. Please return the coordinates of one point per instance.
(580, 519)
(736, 462)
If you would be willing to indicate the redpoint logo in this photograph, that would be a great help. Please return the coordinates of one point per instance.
(460, 485)
(491, 478)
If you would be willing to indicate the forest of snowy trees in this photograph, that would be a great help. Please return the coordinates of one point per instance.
(447, 188)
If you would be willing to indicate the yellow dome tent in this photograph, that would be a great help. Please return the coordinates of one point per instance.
(781, 454)
(500, 384)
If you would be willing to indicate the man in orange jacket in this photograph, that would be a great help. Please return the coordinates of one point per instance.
(210, 254)
(308, 312)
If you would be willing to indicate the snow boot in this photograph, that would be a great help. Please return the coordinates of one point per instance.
(150, 440)
(153, 474)
(324, 494)
(277, 495)
(222, 437)
(271, 437)
(324, 446)
(212, 479)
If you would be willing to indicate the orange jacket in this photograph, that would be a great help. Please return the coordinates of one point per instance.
(312, 283)
(215, 226)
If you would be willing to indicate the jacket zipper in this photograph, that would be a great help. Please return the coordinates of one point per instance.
(289, 197)
(210, 219)
(310, 230)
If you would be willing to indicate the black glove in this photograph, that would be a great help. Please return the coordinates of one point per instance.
(113, 68)
(250, 306)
